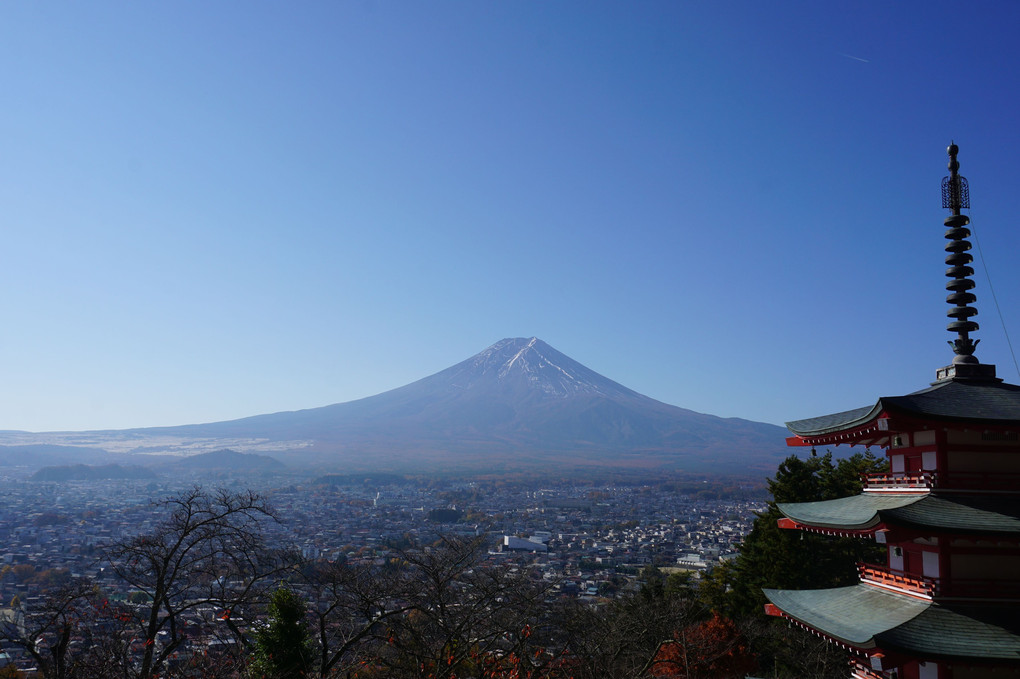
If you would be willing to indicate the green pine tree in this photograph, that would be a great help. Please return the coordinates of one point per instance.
(791, 559)
(283, 647)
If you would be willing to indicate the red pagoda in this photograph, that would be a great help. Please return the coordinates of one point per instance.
(947, 603)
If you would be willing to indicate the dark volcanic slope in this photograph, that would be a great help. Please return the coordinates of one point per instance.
(519, 401)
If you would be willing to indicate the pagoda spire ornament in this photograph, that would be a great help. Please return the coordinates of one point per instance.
(956, 196)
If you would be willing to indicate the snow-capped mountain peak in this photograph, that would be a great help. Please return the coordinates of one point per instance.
(535, 363)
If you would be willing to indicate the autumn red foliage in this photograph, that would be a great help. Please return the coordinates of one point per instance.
(713, 648)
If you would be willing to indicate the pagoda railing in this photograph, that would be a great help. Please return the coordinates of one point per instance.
(922, 482)
(899, 482)
(897, 581)
(957, 588)
(860, 671)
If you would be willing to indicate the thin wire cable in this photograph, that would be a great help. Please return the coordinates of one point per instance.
(991, 288)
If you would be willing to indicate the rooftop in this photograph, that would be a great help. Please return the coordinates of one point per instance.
(952, 400)
(866, 617)
(958, 513)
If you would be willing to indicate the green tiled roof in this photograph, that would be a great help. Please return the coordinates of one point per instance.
(940, 631)
(985, 401)
(976, 401)
(826, 424)
(853, 615)
(864, 616)
(997, 514)
(960, 514)
(857, 512)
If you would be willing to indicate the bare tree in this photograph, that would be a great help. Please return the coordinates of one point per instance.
(209, 552)
(46, 633)
(621, 638)
(351, 610)
(466, 618)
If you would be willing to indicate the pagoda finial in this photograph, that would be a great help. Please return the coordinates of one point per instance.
(956, 196)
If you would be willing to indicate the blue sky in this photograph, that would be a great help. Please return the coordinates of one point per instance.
(214, 210)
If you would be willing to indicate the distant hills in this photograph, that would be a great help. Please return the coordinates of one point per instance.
(229, 459)
(81, 472)
(519, 404)
(43, 454)
(219, 460)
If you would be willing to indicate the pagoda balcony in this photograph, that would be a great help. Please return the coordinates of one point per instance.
(861, 671)
(937, 588)
(895, 581)
(923, 482)
(887, 482)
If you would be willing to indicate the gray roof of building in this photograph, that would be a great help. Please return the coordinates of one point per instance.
(988, 402)
(999, 514)
(865, 616)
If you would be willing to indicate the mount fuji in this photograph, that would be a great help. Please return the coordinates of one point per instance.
(519, 404)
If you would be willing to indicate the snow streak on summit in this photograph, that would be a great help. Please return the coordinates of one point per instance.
(543, 368)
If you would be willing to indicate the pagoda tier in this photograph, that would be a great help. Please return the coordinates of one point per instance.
(952, 403)
(958, 547)
(888, 628)
(956, 435)
(996, 517)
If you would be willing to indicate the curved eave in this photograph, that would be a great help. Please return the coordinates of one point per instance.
(854, 514)
(839, 424)
(956, 402)
(863, 514)
(867, 619)
(839, 532)
(850, 615)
